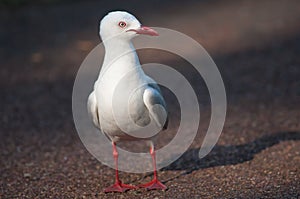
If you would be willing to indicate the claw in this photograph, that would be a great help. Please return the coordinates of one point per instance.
(119, 187)
(154, 184)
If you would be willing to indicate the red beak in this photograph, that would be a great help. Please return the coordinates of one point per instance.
(144, 30)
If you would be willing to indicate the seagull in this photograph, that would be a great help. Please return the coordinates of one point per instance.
(121, 73)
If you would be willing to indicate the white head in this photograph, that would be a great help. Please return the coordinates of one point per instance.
(120, 24)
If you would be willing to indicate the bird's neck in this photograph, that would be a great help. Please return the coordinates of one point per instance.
(120, 51)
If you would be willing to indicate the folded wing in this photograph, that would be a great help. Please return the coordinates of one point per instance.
(156, 106)
(93, 109)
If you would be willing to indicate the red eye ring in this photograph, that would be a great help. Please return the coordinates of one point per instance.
(122, 24)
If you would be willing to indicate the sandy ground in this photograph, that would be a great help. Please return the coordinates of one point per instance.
(256, 46)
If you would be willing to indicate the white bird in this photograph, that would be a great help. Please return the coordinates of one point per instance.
(122, 75)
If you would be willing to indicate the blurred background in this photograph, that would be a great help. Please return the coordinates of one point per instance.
(256, 46)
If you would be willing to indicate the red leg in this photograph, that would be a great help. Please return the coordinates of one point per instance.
(155, 183)
(118, 186)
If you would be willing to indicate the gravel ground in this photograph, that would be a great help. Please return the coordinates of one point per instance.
(256, 46)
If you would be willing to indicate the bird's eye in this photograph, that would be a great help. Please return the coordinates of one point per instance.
(122, 24)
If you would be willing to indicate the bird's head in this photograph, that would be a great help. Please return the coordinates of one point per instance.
(120, 24)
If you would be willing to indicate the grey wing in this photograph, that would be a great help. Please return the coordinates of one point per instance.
(156, 105)
(93, 109)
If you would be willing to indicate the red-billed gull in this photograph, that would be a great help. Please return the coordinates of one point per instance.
(121, 64)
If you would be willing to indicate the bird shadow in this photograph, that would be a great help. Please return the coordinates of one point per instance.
(227, 155)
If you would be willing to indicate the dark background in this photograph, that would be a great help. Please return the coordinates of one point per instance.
(256, 46)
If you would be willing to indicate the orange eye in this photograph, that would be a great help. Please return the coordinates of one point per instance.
(122, 24)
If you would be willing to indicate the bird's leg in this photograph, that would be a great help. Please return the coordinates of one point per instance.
(118, 186)
(154, 183)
